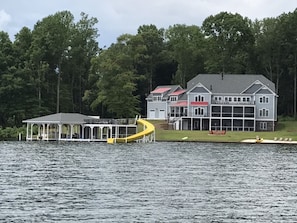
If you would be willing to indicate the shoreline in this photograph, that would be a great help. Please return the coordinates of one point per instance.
(246, 141)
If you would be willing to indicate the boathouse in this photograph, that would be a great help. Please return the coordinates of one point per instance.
(77, 127)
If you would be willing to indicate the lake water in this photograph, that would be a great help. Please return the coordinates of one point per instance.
(157, 182)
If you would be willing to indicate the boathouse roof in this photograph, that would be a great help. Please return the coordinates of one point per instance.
(62, 118)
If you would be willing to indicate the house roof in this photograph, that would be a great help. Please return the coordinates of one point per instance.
(229, 83)
(61, 118)
(160, 90)
(178, 92)
(184, 103)
(180, 104)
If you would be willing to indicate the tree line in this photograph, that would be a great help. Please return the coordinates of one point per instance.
(59, 65)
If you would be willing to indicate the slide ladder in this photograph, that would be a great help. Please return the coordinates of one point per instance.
(147, 135)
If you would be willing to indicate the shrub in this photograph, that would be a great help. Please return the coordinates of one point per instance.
(11, 133)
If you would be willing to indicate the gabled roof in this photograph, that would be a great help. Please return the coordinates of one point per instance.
(229, 83)
(61, 118)
(253, 88)
(264, 91)
(198, 88)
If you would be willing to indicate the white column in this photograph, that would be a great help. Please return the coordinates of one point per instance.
(92, 132)
(39, 134)
(59, 132)
(71, 131)
(32, 131)
(27, 133)
(43, 132)
(82, 131)
(109, 135)
(47, 132)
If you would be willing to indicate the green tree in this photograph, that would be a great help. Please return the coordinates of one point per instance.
(187, 46)
(230, 41)
(288, 28)
(84, 48)
(8, 83)
(66, 48)
(152, 40)
(51, 41)
(116, 81)
(268, 46)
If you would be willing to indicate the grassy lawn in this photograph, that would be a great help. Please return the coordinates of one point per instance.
(284, 129)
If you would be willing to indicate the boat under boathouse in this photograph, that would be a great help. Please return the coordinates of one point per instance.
(77, 127)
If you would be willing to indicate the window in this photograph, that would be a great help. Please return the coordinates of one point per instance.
(173, 98)
(216, 111)
(198, 111)
(199, 98)
(249, 112)
(264, 112)
(264, 99)
(157, 98)
(263, 125)
(238, 112)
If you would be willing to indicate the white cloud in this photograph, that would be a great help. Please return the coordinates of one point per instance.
(5, 18)
(117, 17)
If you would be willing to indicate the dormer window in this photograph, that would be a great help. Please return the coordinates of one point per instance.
(157, 98)
(173, 98)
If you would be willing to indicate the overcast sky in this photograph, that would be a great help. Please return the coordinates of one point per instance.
(117, 17)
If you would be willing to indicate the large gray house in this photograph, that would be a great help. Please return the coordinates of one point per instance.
(233, 102)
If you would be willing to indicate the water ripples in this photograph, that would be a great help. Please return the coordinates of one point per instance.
(159, 182)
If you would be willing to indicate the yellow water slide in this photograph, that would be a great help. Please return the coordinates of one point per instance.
(149, 129)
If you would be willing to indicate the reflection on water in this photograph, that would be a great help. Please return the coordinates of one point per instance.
(159, 182)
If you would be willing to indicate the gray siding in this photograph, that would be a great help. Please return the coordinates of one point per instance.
(157, 107)
(191, 98)
(265, 106)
